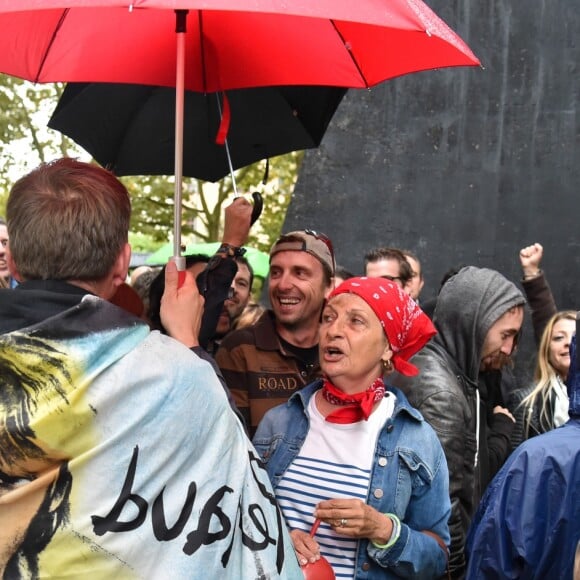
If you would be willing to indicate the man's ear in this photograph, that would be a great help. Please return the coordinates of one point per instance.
(121, 266)
(329, 288)
(12, 266)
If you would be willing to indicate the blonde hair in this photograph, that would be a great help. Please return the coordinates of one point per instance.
(545, 374)
(249, 315)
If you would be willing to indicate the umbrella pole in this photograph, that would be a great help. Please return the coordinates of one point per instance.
(180, 29)
(236, 194)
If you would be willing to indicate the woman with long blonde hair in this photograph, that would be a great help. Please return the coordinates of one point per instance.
(546, 405)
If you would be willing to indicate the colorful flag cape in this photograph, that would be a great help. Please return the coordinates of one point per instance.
(121, 458)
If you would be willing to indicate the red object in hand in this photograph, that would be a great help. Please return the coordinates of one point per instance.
(321, 569)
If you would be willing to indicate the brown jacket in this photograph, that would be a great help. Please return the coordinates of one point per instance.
(258, 371)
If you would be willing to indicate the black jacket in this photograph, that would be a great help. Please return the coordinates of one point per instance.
(447, 390)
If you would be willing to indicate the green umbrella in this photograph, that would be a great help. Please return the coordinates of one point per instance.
(260, 261)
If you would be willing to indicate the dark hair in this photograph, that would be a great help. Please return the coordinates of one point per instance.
(413, 256)
(157, 288)
(142, 286)
(243, 260)
(386, 253)
(343, 273)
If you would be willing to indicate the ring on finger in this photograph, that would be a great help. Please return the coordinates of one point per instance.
(343, 523)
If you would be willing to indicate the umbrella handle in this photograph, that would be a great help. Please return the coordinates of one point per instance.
(180, 263)
(258, 206)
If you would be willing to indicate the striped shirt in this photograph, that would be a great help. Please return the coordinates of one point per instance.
(335, 462)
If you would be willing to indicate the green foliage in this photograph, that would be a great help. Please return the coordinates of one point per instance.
(25, 141)
(142, 243)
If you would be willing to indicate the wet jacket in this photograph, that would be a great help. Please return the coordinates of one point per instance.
(528, 523)
(409, 478)
(446, 390)
(538, 422)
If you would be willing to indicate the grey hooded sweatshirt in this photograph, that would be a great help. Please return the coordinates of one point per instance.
(446, 390)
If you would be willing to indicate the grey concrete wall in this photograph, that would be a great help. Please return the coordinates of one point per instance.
(462, 165)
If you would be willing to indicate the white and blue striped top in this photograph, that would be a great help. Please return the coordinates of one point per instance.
(334, 462)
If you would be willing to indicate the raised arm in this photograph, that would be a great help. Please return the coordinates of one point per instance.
(537, 290)
(215, 281)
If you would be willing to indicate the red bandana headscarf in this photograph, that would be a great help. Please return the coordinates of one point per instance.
(406, 327)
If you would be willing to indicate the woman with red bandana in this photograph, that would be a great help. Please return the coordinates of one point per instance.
(350, 453)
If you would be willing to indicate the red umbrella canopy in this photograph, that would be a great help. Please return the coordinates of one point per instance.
(229, 44)
(223, 44)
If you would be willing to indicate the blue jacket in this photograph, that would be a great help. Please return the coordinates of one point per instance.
(409, 478)
(528, 523)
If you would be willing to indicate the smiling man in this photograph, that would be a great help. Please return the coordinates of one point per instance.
(479, 316)
(264, 364)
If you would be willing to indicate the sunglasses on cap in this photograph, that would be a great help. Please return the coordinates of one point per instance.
(324, 239)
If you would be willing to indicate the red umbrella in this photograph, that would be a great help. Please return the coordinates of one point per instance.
(229, 44)
(223, 44)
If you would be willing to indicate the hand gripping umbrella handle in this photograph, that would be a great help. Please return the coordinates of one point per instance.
(180, 263)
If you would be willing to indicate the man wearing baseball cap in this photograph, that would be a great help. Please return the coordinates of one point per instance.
(266, 363)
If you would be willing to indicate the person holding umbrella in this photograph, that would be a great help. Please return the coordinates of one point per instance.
(119, 453)
(350, 451)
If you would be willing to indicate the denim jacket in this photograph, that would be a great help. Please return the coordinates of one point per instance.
(409, 478)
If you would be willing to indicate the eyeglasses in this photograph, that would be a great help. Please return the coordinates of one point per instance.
(393, 278)
(324, 239)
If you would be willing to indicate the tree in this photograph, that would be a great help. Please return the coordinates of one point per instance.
(24, 138)
(26, 141)
(203, 202)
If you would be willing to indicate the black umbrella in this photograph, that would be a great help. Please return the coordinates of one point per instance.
(130, 129)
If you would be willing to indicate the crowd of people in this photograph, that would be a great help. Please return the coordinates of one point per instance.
(151, 426)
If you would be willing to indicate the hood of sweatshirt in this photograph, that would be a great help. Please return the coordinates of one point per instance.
(467, 307)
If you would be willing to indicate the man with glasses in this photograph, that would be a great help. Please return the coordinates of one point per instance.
(416, 283)
(266, 363)
(389, 263)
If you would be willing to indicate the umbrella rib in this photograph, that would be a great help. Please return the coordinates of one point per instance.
(349, 50)
(51, 42)
(202, 52)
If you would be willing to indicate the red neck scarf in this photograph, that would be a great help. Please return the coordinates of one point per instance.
(353, 407)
